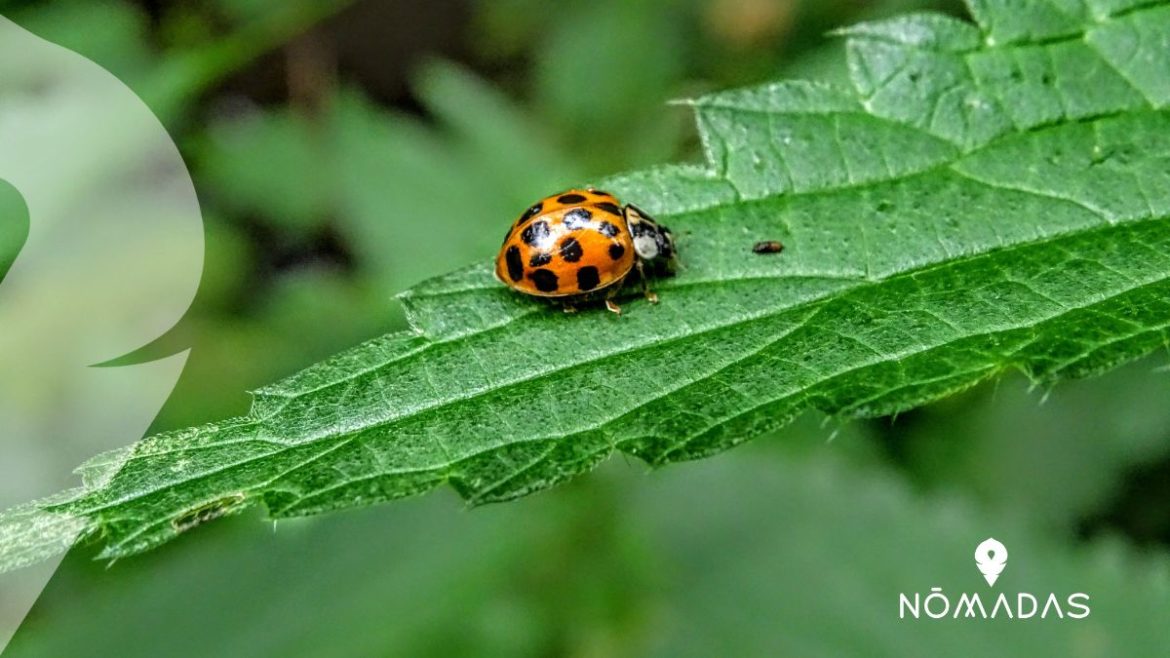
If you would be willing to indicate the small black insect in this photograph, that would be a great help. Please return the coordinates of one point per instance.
(768, 247)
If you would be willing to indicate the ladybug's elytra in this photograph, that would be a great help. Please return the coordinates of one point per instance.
(581, 245)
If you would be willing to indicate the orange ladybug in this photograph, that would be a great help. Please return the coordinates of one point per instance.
(581, 245)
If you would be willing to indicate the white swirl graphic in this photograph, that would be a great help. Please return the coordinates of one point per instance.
(112, 260)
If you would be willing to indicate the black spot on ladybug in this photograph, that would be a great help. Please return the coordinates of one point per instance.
(545, 280)
(616, 251)
(530, 213)
(611, 208)
(535, 232)
(577, 218)
(607, 229)
(539, 259)
(600, 193)
(587, 278)
(571, 250)
(568, 199)
(515, 265)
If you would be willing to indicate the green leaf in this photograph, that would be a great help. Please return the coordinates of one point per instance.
(986, 198)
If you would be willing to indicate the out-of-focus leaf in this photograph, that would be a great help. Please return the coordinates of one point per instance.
(406, 188)
(602, 76)
(1049, 457)
(270, 163)
(177, 79)
(111, 33)
(771, 560)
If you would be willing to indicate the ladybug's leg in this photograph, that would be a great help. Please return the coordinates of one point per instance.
(651, 296)
(610, 304)
(569, 308)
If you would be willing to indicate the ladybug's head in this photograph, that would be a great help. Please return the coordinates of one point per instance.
(653, 242)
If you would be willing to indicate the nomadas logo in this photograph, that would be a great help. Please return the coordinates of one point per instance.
(991, 559)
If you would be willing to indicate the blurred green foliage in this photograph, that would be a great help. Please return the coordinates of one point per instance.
(320, 204)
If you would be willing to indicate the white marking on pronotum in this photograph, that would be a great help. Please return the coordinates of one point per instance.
(646, 247)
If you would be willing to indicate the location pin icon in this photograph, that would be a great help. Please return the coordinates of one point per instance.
(990, 557)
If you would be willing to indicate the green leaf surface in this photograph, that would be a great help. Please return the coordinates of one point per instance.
(985, 198)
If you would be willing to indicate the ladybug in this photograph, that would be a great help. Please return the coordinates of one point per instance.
(581, 245)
